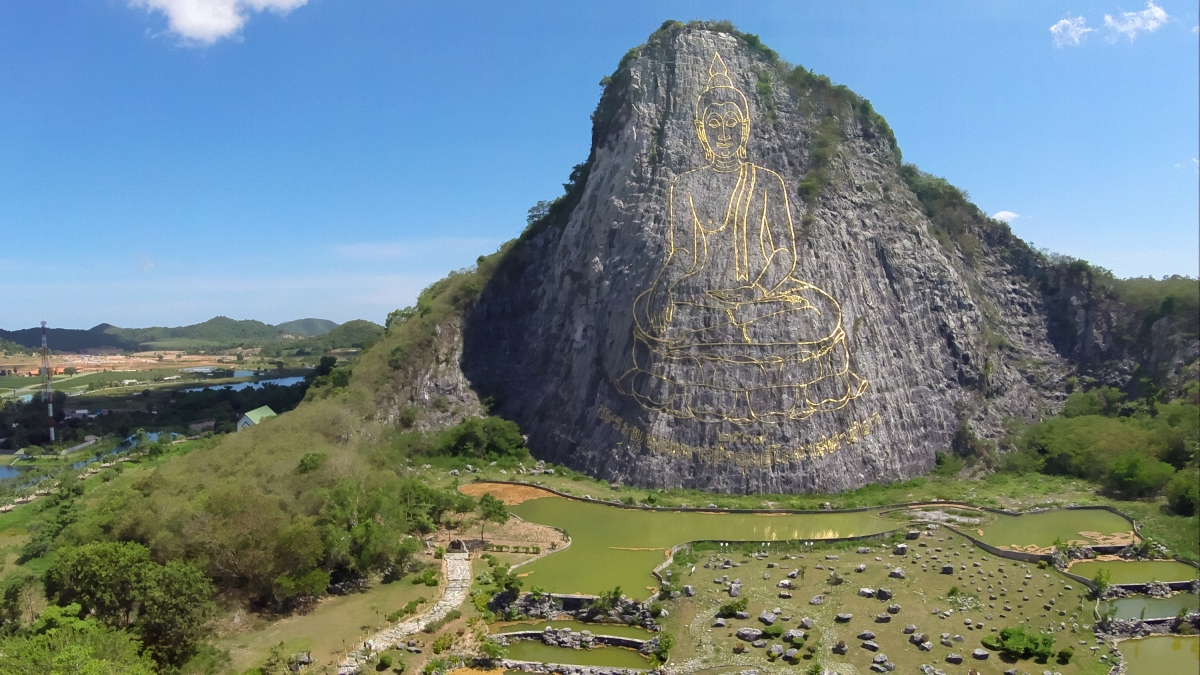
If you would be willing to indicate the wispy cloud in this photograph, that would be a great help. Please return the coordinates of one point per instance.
(146, 263)
(203, 22)
(1131, 24)
(1070, 31)
(408, 250)
(1006, 216)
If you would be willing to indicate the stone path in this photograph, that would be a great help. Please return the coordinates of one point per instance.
(457, 569)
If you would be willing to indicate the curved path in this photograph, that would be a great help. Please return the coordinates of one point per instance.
(457, 569)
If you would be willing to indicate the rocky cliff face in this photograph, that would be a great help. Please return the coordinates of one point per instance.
(742, 291)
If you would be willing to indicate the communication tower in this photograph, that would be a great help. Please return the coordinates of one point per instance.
(48, 394)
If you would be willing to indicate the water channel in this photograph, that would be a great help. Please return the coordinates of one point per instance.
(1041, 529)
(1136, 571)
(619, 547)
(611, 657)
(1162, 654)
(616, 629)
(1154, 608)
(278, 381)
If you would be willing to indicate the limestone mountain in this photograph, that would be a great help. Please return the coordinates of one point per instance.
(745, 289)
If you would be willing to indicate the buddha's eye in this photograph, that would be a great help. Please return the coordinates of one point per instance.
(714, 121)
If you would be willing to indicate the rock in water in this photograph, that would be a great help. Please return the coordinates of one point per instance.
(740, 290)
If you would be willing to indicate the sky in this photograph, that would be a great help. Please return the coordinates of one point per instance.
(166, 161)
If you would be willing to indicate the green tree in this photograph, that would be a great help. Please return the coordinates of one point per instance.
(104, 579)
(1137, 475)
(174, 601)
(491, 510)
(60, 643)
(1103, 580)
(1183, 492)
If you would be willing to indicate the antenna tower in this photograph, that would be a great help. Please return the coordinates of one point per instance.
(48, 394)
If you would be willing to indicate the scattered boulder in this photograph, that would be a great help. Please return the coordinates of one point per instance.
(689, 591)
(913, 534)
(720, 623)
(866, 592)
(742, 615)
(759, 643)
(735, 590)
(871, 644)
(866, 635)
(981, 654)
(861, 568)
(767, 617)
(843, 617)
(793, 574)
(791, 654)
(785, 594)
(817, 600)
(947, 569)
(806, 623)
(897, 573)
(883, 617)
(884, 594)
(864, 549)
(954, 658)
(793, 635)
(893, 609)
(910, 629)
(748, 634)
(901, 549)
(840, 647)
(775, 651)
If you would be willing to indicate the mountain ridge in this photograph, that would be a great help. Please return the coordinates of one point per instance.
(218, 331)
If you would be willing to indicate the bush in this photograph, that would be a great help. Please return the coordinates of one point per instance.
(1137, 475)
(1021, 644)
(731, 608)
(490, 439)
(1183, 493)
(1064, 655)
(443, 643)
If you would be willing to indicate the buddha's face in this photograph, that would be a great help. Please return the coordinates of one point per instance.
(723, 129)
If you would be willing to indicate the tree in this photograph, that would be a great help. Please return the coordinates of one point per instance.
(491, 510)
(1103, 580)
(1137, 475)
(1183, 493)
(60, 643)
(175, 601)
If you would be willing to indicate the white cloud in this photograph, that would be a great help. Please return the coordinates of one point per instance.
(146, 263)
(1130, 24)
(1006, 216)
(203, 22)
(1070, 31)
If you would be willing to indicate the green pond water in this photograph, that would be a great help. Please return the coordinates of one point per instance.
(603, 553)
(1156, 608)
(1137, 571)
(1042, 528)
(577, 626)
(612, 657)
(1160, 655)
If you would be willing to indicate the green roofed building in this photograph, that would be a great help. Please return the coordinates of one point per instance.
(254, 417)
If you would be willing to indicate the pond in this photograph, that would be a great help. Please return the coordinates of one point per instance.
(7, 471)
(1155, 608)
(279, 381)
(1162, 654)
(1041, 529)
(577, 626)
(612, 546)
(1135, 571)
(611, 657)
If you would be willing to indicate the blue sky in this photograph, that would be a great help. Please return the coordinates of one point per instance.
(165, 161)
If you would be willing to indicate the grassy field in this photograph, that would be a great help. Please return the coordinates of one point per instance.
(981, 592)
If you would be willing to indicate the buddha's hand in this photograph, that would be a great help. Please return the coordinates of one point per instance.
(660, 312)
(736, 295)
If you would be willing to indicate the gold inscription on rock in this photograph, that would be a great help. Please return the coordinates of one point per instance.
(730, 331)
(766, 454)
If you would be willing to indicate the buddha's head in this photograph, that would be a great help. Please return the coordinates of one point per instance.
(722, 116)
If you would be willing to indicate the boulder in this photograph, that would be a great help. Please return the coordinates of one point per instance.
(981, 654)
(925, 646)
(861, 568)
(871, 644)
(900, 549)
(817, 600)
(793, 635)
(793, 574)
(742, 615)
(883, 617)
(791, 654)
(840, 647)
(954, 658)
(775, 651)
(786, 583)
(866, 635)
(947, 569)
(785, 594)
(735, 590)
(879, 658)
(913, 534)
(748, 634)
(843, 617)
(767, 617)
(759, 643)
(897, 573)
(893, 609)
(867, 592)
(806, 623)
(720, 623)
(884, 594)
(910, 629)
(689, 591)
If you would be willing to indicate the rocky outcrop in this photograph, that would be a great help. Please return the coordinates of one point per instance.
(772, 305)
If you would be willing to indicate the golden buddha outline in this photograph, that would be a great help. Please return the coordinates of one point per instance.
(707, 332)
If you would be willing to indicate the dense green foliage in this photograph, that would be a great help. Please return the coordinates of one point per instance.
(60, 643)
(357, 334)
(118, 584)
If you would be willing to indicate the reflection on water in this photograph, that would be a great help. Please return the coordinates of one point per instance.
(1162, 654)
(600, 558)
(1136, 571)
(1155, 608)
(1041, 529)
(612, 657)
(10, 471)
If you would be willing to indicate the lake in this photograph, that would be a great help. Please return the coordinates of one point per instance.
(1135, 571)
(279, 381)
(1162, 655)
(1042, 528)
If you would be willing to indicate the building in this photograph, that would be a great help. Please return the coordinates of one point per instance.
(254, 417)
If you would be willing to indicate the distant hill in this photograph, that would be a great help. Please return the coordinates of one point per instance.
(215, 333)
(356, 334)
(306, 327)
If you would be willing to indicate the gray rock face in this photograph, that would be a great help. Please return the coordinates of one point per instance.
(628, 332)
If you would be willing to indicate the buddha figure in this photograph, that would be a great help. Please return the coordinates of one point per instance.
(729, 331)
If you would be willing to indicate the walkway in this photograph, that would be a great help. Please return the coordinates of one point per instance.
(457, 568)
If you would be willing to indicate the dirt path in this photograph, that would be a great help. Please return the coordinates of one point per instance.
(511, 495)
(457, 568)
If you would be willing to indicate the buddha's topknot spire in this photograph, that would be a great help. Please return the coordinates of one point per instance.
(718, 73)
